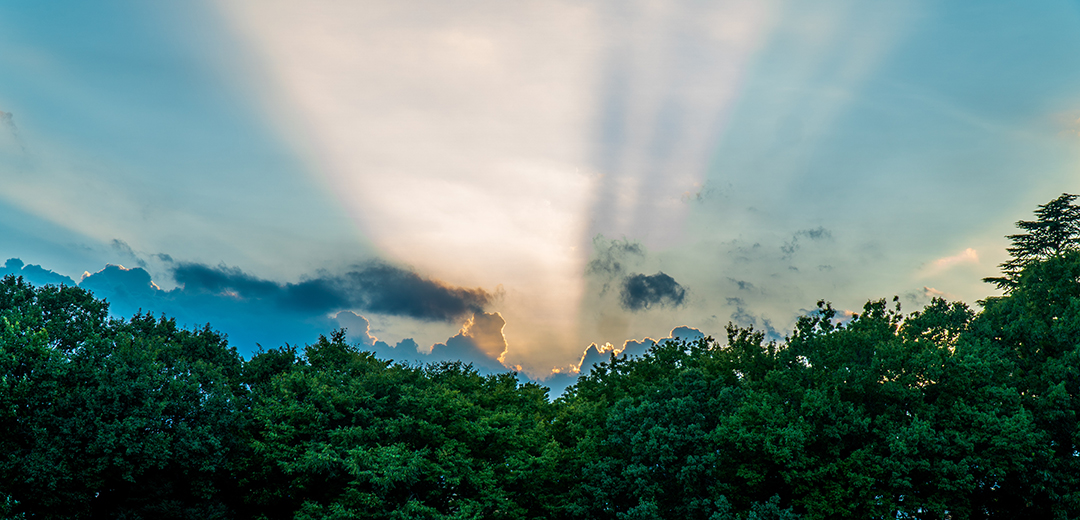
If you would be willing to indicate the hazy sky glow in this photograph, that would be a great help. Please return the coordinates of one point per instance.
(510, 183)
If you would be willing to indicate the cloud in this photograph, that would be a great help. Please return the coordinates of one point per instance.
(376, 287)
(561, 378)
(593, 355)
(818, 233)
(34, 274)
(253, 311)
(967, 256)
(641, 291)
(611, 256)
(745, 254)
(636, 348)
(920, 298)
(13, 265)
(485, 330)
(705, 192)
(742, 284)
(250, 310)
(391, 290)
(790, 247)
(124, 249)
(405, 351)
(931, 293)
(8, 122)
(632, 348)
(744, 318)
(474, 161)
(480, 342)
(357, 328)
(10, 134)
(686, 334)
(203, 278)
(117, 279)
(609, 264)
(238, 302)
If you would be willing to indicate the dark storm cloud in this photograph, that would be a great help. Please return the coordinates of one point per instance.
(377, 287)
(221, 279)
(641, 291)
(391, 290)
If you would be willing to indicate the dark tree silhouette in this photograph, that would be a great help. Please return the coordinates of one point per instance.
(1055, 231)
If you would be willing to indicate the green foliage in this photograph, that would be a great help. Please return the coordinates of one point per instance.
(884, 416)
(1056, 231)
(1036, 331)
(110, 419)
(344, 434)
(941, 413)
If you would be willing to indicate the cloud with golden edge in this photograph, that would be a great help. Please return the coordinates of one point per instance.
(486, 332)
(594, 353)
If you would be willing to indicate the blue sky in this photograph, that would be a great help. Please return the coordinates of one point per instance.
(512, 183)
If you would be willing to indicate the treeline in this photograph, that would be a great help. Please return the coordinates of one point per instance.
(941, 413)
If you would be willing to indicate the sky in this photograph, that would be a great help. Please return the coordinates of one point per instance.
(526, 185)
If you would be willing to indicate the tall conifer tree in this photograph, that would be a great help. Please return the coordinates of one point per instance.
(1055, 231)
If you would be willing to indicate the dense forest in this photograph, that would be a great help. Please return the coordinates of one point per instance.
(940, 413)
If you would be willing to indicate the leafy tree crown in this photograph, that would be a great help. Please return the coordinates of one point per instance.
(1055, 231)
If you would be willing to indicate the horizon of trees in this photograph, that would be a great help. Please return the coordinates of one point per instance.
(940, 413)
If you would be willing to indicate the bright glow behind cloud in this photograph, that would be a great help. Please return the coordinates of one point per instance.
(463, 137)
(761, 154)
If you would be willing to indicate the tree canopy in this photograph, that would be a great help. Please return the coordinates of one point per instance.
(945, 412)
